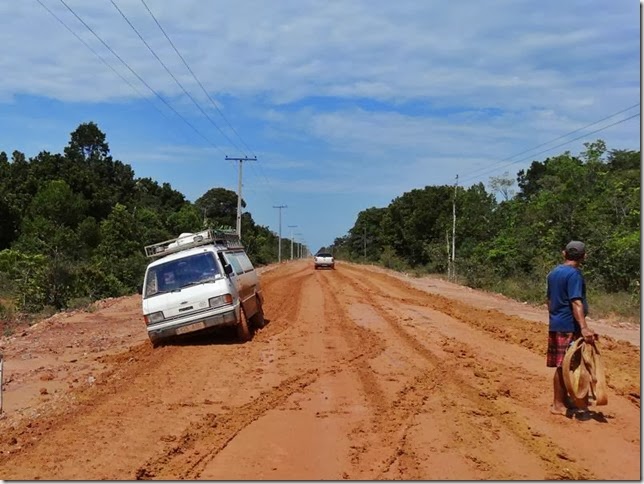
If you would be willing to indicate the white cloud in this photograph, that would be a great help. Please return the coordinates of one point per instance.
(291, 50)
(368, 97)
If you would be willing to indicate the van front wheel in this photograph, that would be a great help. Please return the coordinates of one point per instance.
(258, 318)
(243, 331)
(156, 342)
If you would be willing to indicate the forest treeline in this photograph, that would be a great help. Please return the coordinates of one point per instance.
(510, 234)
(73, 225)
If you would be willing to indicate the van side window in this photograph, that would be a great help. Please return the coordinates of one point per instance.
(230, 257)
(244, 261)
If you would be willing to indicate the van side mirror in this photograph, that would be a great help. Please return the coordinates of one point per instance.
(139, 288)
(228, 269)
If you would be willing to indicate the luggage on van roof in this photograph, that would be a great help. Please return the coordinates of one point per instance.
(225, 238)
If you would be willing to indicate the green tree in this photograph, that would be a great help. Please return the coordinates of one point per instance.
(120, 253)
(219, 206)
(87, 142)
(186, 219)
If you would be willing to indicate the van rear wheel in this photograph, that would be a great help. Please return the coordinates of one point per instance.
(243, 331)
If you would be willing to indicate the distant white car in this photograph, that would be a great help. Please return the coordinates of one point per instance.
(324, 259)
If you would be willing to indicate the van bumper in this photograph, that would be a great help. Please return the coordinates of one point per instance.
(222, 319)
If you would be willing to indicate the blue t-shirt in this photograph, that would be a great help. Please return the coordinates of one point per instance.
(565, 284)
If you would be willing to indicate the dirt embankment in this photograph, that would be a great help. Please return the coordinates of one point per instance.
(358, 375)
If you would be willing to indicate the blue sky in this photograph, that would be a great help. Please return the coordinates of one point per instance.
(346, 104)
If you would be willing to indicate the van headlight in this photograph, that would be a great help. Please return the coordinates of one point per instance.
(154, 317)
(218, 301)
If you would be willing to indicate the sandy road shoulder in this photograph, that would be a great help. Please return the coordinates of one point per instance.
(623, 331)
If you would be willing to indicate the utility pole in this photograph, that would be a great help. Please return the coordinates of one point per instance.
(239, 188)
(449, 264)
(292, 227)
(454, 230)
(299, 244)
(364, 243)
(279, 250)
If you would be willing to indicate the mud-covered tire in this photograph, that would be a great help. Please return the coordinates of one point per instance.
(155, 342)
(258, 320)
(243, 330)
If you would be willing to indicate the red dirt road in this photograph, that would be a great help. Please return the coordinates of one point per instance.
(359, 374)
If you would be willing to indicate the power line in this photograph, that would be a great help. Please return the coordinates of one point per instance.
(140, 78)
(557, 146)
(173, 76)
(268, 183)
(205, 91)
(102, 59)
(198, 82)
(254, 158)
(185, 63)
(556, 139)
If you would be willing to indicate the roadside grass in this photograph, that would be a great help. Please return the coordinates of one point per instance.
(82, 303)
(12, 320)
(603, 305)
(7, 316)
(615, 305)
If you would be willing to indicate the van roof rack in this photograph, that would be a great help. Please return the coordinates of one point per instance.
(226, 238)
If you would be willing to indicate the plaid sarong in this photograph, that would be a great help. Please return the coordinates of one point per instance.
(558, 343)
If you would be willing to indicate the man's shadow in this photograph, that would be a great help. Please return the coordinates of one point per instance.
(584, 415)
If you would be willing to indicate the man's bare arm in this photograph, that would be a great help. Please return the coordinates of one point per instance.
(580, 317)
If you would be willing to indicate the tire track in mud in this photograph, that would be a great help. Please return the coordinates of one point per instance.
(282, 297)
(622, 360)
(124, 367)
(452, 392)
(387, 416)
(128, 370)
(394, 419)
(443, 378)
(365, 343)
(202, 441)
(197, 446)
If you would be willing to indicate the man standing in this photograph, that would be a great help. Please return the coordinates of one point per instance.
(567, 308)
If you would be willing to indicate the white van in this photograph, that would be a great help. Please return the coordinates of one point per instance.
(199, 281)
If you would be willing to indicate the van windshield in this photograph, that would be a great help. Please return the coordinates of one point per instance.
(180, 273)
